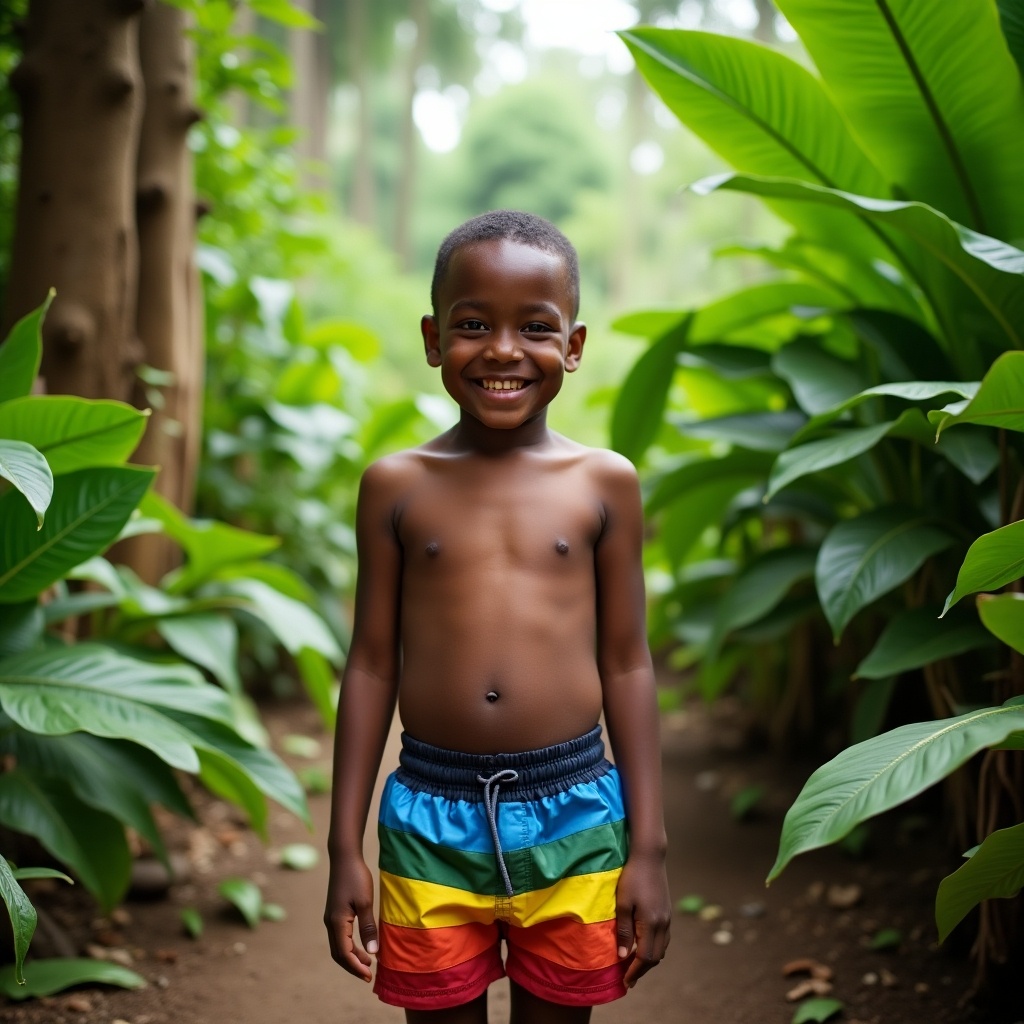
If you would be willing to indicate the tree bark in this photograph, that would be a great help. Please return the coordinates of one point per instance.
(420, 10)
(168, 293)
(309, 97)
(364, 201)
(80, 93)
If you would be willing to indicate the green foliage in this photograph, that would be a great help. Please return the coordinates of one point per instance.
(245, 896)
(883, 772)
(97, 730)
(902, 192)
(57, 974)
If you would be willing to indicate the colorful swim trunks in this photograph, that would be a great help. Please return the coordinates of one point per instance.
(477, 848)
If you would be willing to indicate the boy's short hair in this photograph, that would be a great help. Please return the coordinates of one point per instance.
(516, 226)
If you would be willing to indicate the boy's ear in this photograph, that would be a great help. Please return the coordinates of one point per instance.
(574, 350)
(431, 339)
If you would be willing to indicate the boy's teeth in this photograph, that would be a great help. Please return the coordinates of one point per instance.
(503, 385)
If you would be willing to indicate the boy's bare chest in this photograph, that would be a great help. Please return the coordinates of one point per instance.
(458, 524)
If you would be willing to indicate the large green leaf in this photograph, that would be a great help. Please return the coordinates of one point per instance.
(26, 468)
(91, 688)
(756, 431)
(861, 559)
(918, 637)
(234, 762)
(641, 403)
(74, 433)
(22, 915)
(994, 871)
(999, 401)
(21, 627)
(934, 95)
(88, 841)
(209, 545)
(992, 561)
(1011, 17)
(1003, 616)
(320, 679)
(992, 270)
(207, 639)
(819, 380)
(115, 776)
(87, 511)
(909, 391)
(740, 468)
(45, 977)
(880, 773)
(764, 114)
(20, 355)
(815, 456)
(294, 624)
(762, 584)
(906, 350)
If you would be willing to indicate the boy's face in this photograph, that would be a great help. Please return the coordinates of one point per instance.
(504, 334)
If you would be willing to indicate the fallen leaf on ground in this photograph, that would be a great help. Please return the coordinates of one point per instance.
(809, 987)
(805, 965)
(843, 897)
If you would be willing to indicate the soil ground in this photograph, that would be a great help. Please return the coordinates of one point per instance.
(724, 967)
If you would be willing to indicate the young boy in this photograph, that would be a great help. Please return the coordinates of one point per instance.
(500, 600)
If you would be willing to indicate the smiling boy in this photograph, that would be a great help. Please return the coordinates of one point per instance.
(500, 601)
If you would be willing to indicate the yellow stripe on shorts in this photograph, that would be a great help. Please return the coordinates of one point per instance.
(413, 903)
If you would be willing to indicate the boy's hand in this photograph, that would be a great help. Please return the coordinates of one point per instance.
(642, 912)
(350, 898)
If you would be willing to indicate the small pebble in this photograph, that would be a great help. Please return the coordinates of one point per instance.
(722, 937)
(843, 897)
(120, 916)
(78, 1004)
(707, 781)
(710, 913)
(121, 956)
(163, 982)
(869, 979)
(239, 948)
(921, 988)
(889, 979)
(752, 910)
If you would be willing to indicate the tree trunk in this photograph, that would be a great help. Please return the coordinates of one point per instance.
(420, 10)
(80, 92)
(364, 201)
(309, 97)
(168, 328)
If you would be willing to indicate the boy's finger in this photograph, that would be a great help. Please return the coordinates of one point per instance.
(624, 930)
(368, 931)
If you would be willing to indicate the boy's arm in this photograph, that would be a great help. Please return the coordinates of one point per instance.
(643, 907)
(368, 690)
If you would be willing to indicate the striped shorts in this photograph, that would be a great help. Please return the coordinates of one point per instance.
(477, 848)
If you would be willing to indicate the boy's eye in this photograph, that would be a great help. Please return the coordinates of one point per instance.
(538, 328)
(473, 325)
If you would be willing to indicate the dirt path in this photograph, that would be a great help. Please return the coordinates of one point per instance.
(724, 970)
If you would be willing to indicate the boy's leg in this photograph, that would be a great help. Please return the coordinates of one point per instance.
(469, 1013)
(530, 1009)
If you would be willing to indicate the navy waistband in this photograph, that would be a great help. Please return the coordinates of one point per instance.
(456, 775)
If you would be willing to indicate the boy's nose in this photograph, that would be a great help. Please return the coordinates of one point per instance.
(504, 347)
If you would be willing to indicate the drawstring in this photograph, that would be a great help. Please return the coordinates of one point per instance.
(491, 804)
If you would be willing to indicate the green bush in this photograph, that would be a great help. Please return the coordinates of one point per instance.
(800, 461)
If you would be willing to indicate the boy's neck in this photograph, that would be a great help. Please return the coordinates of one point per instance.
(473, 436)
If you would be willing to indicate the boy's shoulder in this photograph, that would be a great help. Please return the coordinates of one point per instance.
(603, 462)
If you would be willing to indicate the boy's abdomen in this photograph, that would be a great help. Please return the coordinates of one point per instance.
(512, 669)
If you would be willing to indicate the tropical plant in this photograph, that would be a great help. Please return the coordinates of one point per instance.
(92, 733)
(799, 457)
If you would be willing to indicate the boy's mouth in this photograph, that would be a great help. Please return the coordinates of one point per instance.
(498, 384)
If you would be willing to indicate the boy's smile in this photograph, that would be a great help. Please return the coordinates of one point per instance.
(504, 333)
